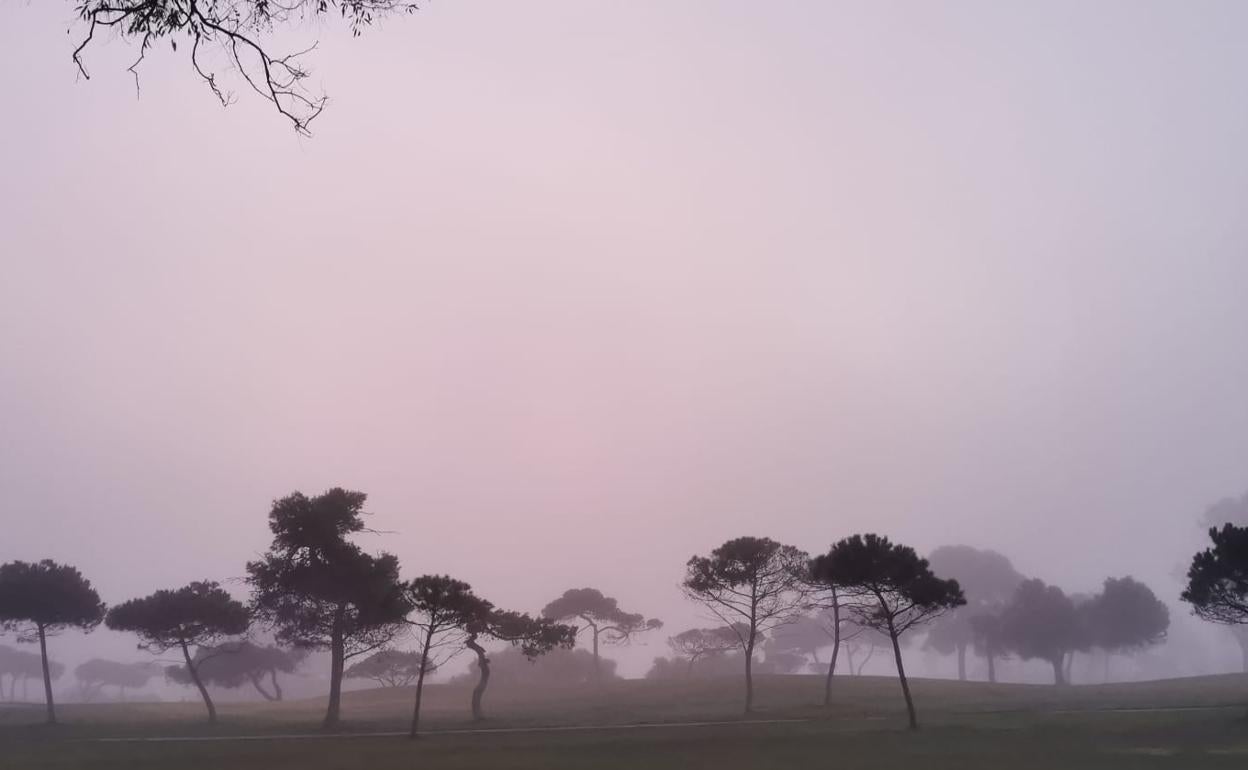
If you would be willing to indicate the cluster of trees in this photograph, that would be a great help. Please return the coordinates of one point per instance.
(315, 589)
(758, 587)
(21, 665)
(96, 674)
(868, 594)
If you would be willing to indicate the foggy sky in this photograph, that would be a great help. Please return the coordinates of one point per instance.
(575, 290)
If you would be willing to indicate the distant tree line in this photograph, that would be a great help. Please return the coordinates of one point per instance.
(315, 589)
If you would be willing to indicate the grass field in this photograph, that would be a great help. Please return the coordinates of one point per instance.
(1176, 723)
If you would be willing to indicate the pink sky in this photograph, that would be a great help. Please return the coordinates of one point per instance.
(575, 290)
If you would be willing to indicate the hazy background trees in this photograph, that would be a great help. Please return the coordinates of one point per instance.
(988, 581)
(22, 665)
(95, 674)
(234, 664)
(602, 616)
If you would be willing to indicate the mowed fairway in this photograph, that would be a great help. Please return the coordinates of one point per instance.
(1176, 723)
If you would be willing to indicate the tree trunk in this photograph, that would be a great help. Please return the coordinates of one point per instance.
(336, 663)
(961, 662)
(836, 649)
(1059, 677)
(992, 668)
(901, 674)
(277, 688)
(47, 675)
(420, 682)
(483, 677)
(203, 691)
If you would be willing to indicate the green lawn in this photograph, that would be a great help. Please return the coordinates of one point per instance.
(966, 725)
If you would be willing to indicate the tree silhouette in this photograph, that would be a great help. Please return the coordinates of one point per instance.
(1042, 622)
(1231, 510)
(893, 590)
(533, 637)
(201, 614)
(317, 590)
(388, 668)
(1217, 582)
(41, 599)
(752, 584)
(237, 30)
(234, 664)
(442, 609)
(601, 615)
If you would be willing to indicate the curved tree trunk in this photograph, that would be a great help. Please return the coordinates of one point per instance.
(420, 682)
(337, 657)
(203, 691)
(258, 683)
(901, 674)
(483, 677)
(47, 675)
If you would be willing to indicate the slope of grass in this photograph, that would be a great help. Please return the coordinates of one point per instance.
(966, 725)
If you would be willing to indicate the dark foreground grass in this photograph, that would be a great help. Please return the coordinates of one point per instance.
(966, 725)
(1118, 741)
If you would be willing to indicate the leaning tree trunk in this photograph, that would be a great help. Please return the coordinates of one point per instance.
(420, 682)
(483, 678)
(901, 674)
(47, 675)
(203, 691)
(836, 650)
(337, 656)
